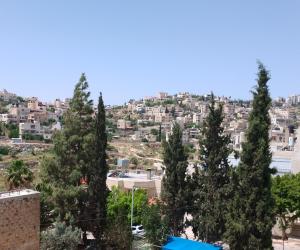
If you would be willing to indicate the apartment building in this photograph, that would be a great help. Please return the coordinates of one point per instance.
(20, 112)
(31, 127)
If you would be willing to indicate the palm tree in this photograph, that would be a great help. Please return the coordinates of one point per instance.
(18, 175)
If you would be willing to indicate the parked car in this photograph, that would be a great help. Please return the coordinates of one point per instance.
(138, 230)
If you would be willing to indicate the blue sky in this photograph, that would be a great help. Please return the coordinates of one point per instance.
(130, 49)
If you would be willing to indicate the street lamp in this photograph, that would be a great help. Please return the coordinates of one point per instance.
(132, 203)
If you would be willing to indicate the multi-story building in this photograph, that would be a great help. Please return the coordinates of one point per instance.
(31, 127)
(35, 105)
(293, 100)
(197, 118)
(20, 112)
(8, 119)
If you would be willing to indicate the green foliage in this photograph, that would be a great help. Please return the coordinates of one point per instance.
(73, 159)
(286, 192)
(174, 195)
(12, 130)
(211, 185)
(189, 149)
(18, 175)
(118, 232)
(154, 131)
(48, 122)
(96, 178)
(2, 129)
(4, 150)
(155, 228)
(61, 237)
(134, 161)
(119, 202)
(251, 214)
(31, 137)
(46, 206)
(159, 136)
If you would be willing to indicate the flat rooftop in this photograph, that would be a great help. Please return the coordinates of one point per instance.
(17, 193)
(135, 177)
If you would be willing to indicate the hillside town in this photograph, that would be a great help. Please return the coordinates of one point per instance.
(150, 120)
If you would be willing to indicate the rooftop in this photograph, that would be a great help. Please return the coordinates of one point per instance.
(17, 193)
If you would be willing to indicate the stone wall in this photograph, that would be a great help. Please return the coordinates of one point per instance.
(20, 220)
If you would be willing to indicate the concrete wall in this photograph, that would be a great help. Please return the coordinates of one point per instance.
(20, 220)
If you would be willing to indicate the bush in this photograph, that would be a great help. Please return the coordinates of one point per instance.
(4, 150)
(61, 237)
(31, 137)
(134, 161)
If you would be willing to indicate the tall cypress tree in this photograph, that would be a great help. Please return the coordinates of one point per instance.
(71, 159)
(251, 215)
(211, 183)
(96, 179)
(174, 182)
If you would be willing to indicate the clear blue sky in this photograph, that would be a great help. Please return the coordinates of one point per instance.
(130, 49)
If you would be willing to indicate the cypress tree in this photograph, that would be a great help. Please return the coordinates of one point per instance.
(96, 180)
(159, 134)
(251, 217)
(211, 183)
(174, 182)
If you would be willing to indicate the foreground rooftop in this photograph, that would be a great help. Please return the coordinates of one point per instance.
(17, 193)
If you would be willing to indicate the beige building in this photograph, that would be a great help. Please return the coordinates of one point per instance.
(162, 95)
(20, 220)
(8, 119)
(33, 128)
(20, 112)
(152, 184)
(123, 124)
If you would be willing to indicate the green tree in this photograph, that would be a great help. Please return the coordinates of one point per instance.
(12, 130)
(96, 179)
(61, 237)
(119, 202)
(18, 175)
(119, 214)
(4, 150)
(286, 192)
(251, 216)
(73, 157)
(118, 232)
(174, 194)
(154, 131)
(134, 161)
(159, 136)
(46, 206)
(155, 228)
(212, 184)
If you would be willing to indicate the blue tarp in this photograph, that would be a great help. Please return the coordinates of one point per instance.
(175, 243)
